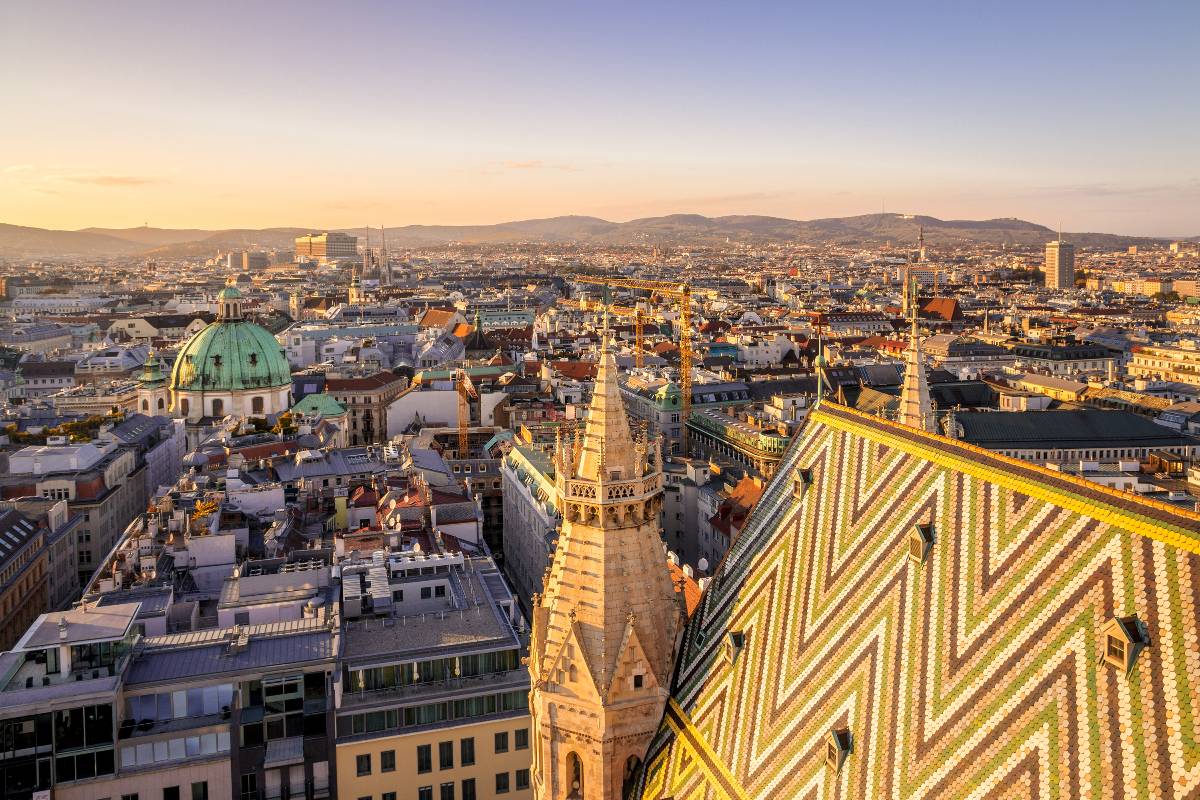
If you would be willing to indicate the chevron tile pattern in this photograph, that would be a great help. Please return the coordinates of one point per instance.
(975, 674)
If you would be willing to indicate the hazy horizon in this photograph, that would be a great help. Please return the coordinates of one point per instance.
(227, 116)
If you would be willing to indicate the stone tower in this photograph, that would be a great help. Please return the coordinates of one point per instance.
(606, 626)
(356, 296)
(916, 406)
(154, 398)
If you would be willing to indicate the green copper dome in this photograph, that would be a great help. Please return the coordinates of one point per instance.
(230, 355)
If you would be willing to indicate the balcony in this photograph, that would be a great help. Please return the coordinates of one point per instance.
(434, 690)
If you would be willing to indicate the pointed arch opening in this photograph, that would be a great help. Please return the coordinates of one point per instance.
(633, 765)
(574, 777)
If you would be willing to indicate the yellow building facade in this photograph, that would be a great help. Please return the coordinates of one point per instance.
(486, 760)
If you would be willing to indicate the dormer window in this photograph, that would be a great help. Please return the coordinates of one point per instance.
(216, 360)
(639, 680)
(254, 359)
(802, 480)
(734, 642)
(1122, 640)
(920, 543)
(838, 744)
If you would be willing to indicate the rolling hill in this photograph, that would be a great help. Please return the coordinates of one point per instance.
(673, 229)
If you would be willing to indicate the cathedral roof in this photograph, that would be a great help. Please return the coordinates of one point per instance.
(939, 607)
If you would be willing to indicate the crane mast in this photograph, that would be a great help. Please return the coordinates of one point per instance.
(678, 291)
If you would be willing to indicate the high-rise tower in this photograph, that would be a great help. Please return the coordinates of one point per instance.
(1060, 264)
(606, 626)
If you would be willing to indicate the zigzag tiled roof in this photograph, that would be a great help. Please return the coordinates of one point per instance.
(976, 673)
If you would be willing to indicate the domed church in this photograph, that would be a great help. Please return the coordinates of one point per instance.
(231, 368)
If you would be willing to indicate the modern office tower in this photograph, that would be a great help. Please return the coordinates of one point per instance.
(1060, 264)
(326, 246)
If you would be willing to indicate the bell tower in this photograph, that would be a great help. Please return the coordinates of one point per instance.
(606, 626)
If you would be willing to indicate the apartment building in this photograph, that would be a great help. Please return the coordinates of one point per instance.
(433, 702)
(1178, 364)
(366, 400)
(530, 517)
(37, 563)
(106, 482)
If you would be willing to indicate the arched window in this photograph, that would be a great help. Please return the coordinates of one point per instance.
(256, 405)
(574, 777)
(218, 408)
(184, 406)
(633, 765)
(573, 674)
(145, 405)
(161, 404)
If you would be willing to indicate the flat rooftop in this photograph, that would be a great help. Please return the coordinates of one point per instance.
(87, 623)
(434, 633)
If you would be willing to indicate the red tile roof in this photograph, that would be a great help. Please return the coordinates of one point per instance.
(689, 587)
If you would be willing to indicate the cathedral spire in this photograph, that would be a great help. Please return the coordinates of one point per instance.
(606, 626)
(916, 407)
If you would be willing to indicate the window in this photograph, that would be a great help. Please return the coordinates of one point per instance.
(1122, 639)
(200, 790)
(425, 793)
(446, 755)
(447, 792)
(522, 779)
(363, 764)
(521, 738)
(133, 796)
(466, 751)
(388, 796)
(734, 642)
(387, 761)
(920, 542)
(639, 680)
(426, 592)
(838, 744)
(502, 743)
(439, 590)
(501, 783)
(170, 793)
(469, 789)
(1116, 648)
(425, 760)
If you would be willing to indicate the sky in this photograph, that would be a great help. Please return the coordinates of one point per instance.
(1082, 115)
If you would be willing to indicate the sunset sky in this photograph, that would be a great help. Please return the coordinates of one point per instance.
(262, 114)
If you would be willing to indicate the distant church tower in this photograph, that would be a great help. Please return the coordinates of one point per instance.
(153, 393)
(606, 627)
(356, 295)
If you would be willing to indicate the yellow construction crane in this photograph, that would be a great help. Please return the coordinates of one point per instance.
(678, 291)
(466, 390)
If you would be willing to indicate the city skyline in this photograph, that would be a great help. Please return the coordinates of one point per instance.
(472, 115)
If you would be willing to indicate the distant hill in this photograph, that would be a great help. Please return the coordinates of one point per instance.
(673, 229)
(151, 237)
(17, 241)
